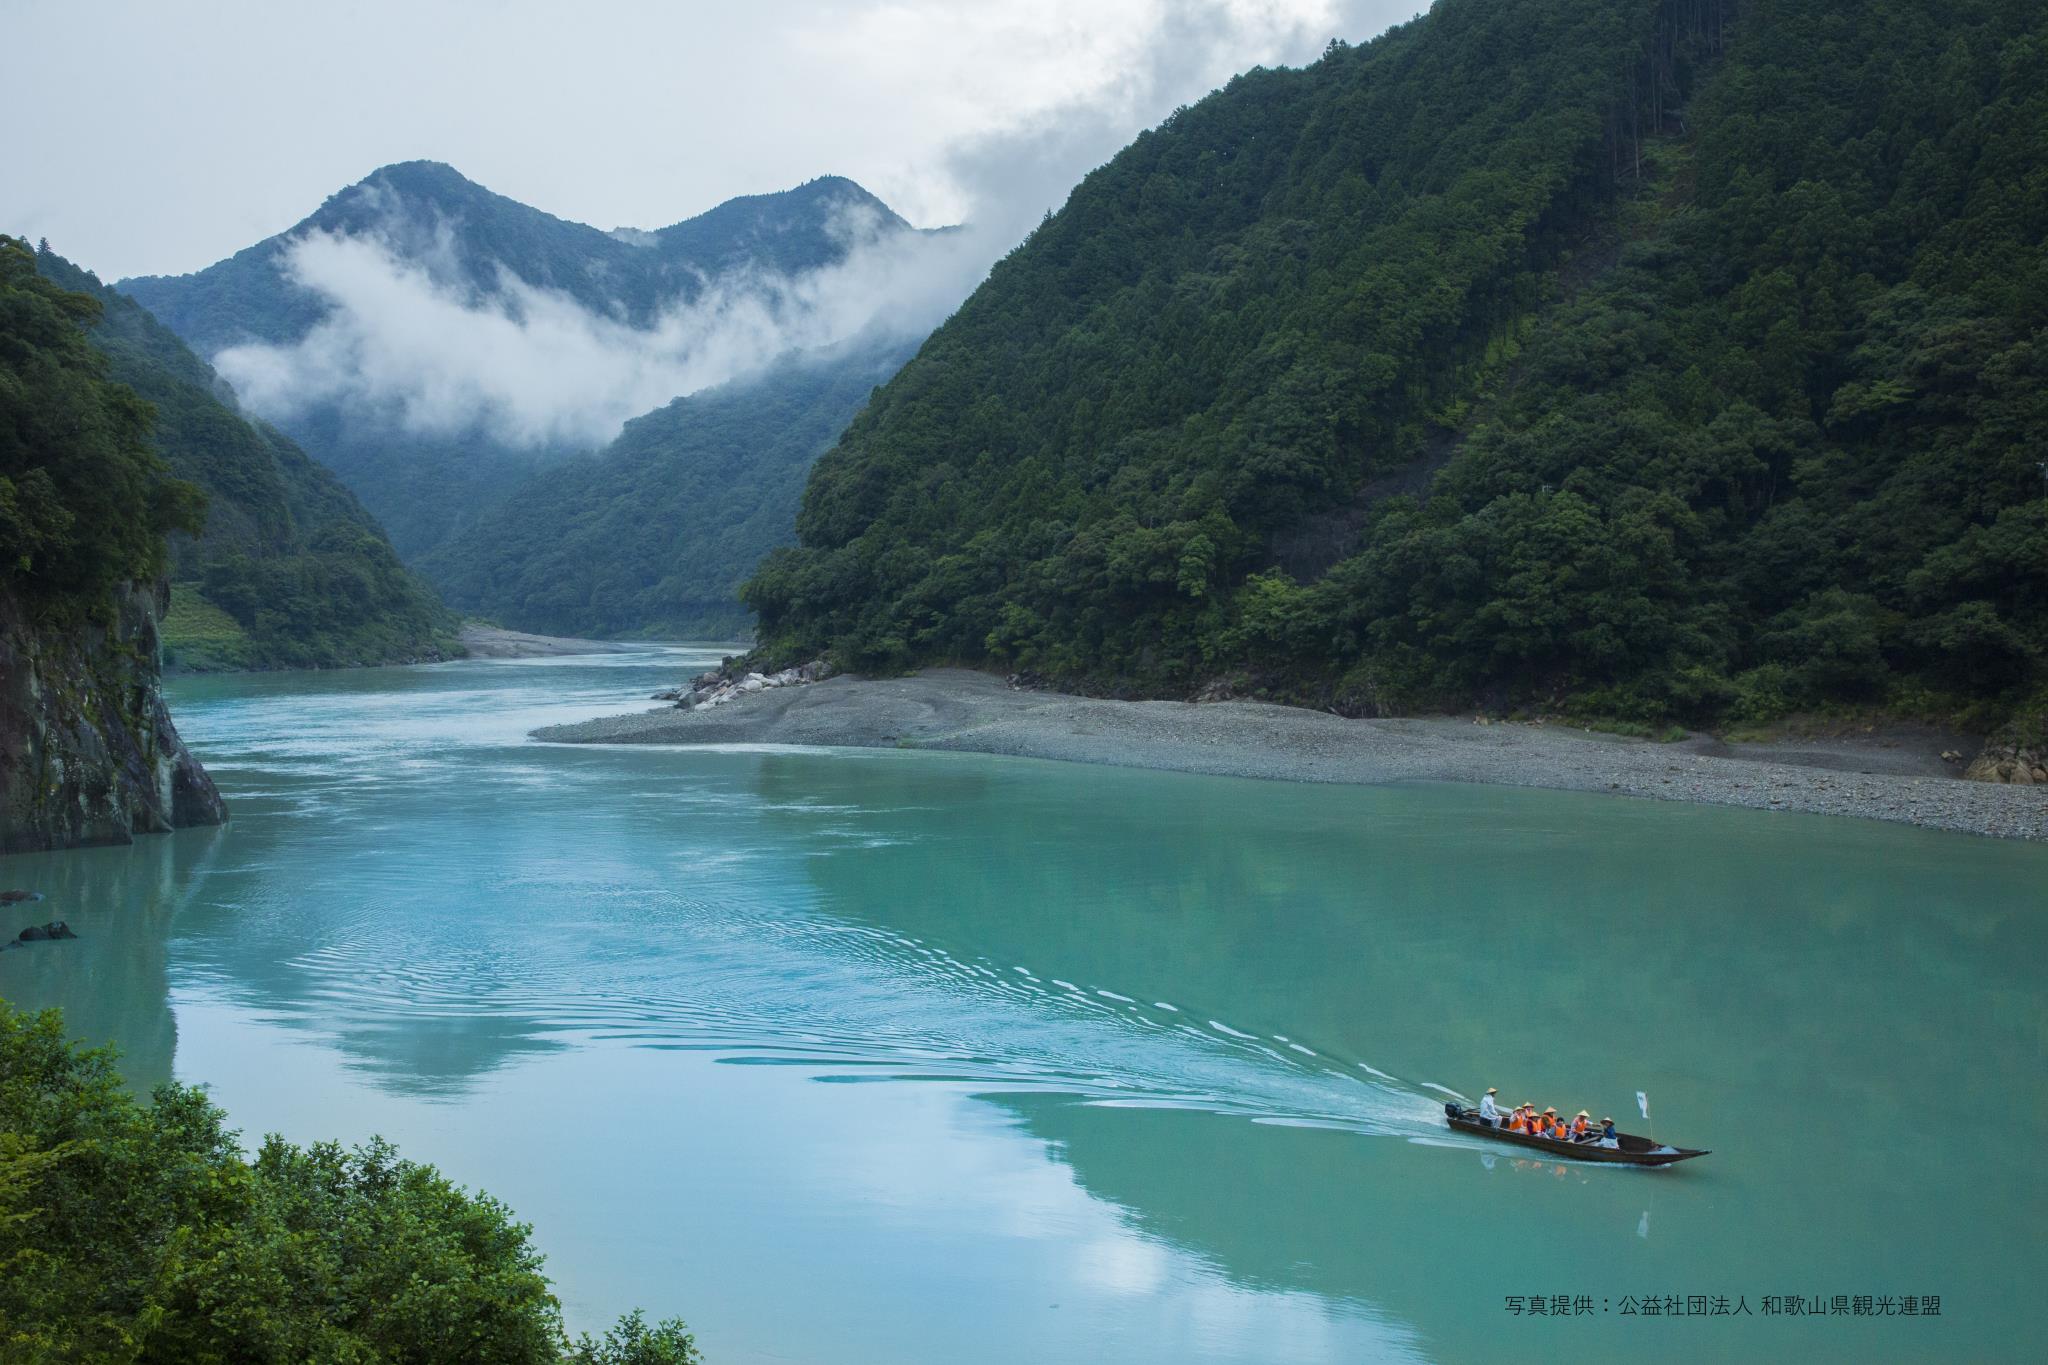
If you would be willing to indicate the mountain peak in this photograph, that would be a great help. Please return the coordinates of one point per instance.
(470, 237)
(425, 173)
(407, 185)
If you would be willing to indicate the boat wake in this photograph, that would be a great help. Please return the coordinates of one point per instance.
(856, 1002)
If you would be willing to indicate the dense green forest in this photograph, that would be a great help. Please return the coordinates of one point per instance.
(427, 488)
(139, 1232)
(654, 534)
(1651, 358)
(86, 503)
(289, 570)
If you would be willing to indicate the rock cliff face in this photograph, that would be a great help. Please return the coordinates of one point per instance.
(88, 754)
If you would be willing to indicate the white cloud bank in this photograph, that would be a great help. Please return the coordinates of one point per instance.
(1031, 98)
(529, 366)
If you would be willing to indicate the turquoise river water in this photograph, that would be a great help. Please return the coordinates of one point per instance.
(894, 1057)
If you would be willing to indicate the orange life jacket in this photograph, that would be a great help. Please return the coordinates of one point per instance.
(1578, 1128)
(1518, 1124)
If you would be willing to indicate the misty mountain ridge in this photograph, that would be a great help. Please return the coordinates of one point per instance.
(290, 571)
(436, 344)
(653, 535)
(465, 235)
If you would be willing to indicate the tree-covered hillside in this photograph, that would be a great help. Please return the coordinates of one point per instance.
(654, 534)
(1665, 358)
(88, 751)
(290, 571)
(86, 503)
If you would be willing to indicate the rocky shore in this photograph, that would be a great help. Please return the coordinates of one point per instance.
(722, 685)
(88, 753)
(1900, 777)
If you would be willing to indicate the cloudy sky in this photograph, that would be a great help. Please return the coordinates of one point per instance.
(156, 137)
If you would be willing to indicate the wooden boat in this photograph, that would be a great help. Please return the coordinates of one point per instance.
(1634, 1151)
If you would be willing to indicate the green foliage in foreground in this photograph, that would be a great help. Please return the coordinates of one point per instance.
(1652, 359)
(287, 553)
(140, 1232)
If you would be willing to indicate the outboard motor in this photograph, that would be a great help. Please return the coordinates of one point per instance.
(1453, 1110)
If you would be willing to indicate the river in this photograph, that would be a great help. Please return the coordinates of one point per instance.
(904, 1057)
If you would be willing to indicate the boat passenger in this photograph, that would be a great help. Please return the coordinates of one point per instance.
(1579, 1126)
(1608, 1137)
(1548, 1125)
(1518, 1122)
(1489, 1111)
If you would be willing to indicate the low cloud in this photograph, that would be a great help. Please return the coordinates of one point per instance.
(410, 338)
(530, 366)
(1036, 96)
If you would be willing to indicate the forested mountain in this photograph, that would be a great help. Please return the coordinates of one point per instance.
(289, 571)
(1657, 358)
(428, 483)
(654, 534)
(88, 753)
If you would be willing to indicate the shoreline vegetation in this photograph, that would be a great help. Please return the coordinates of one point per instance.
(1893, 773)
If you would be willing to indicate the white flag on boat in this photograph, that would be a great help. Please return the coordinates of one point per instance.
(1643, 1103)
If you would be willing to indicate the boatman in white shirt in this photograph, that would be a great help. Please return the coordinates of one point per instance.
(1489, 1112)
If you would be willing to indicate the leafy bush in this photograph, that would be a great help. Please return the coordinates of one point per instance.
(139, 1232)
(632, 1342)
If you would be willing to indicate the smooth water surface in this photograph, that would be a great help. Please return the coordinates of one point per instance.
(901, 1057)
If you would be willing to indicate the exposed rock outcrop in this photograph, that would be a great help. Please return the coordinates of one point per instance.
(724, 684)
(2017, 753)
(2019, 766)
(88, 753)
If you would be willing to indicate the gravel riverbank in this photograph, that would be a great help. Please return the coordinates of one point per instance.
(1897, 776)
(492, 642)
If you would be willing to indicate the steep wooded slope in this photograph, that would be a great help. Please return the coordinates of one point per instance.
(654, 534)
(304, 576)
(88, 753)
(1655, 358)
